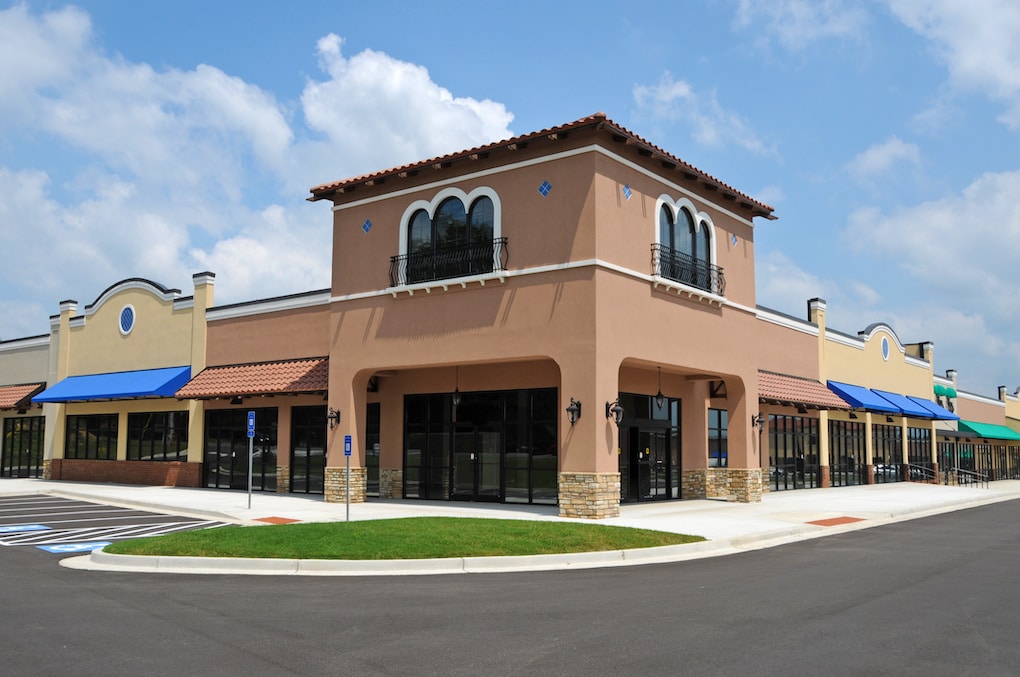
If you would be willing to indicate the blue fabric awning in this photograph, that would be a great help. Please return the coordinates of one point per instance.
(937, 411)
(905, 404)
(118, 385)
(860, 397)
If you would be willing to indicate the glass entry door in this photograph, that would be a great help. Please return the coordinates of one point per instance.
(644, 463)
(477, 464)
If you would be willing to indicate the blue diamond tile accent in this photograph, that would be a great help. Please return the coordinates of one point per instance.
(627, 192)
(366, 226)
(545, 188)
(733, 240)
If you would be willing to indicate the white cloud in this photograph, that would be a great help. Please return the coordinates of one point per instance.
(710, 123)
(383, 112)
(135, 171)
(881, 158)
(963, 244)
(798, 24)
(978, 42)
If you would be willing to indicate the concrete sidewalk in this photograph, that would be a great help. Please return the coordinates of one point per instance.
(781, 517)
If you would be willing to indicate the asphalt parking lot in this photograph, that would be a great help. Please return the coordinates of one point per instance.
(61, 526)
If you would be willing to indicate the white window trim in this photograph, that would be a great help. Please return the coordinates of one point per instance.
(466, 199)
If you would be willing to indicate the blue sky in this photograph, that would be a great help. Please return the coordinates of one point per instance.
(160, 139)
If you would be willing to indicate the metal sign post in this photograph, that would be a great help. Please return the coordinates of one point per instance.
(251, 450)
(347, 455)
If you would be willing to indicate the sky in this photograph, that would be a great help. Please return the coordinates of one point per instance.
(160, 139)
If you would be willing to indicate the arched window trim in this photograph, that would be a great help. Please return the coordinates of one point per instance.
(467, 199)
(700, 218)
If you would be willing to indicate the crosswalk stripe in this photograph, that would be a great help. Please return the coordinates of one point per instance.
(103, 533)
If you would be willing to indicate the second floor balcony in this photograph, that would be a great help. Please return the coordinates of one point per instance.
(447, 262)
(681, 267)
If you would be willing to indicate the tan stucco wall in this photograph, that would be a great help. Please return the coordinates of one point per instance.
(981, 410)
(282, 335)
(576, 309)
(784, 350)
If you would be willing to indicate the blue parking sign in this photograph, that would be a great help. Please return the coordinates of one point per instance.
(347, 445)
(251, 424)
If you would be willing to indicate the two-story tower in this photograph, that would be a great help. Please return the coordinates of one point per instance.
(562, 317)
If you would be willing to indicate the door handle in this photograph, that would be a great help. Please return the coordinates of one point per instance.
(472, 455)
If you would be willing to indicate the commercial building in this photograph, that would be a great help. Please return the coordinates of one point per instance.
(567, 317)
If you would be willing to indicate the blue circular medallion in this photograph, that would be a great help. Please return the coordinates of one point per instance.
(885, 348)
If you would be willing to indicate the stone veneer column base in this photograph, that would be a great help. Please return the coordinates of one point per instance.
(283, 479)
(589, 495)
(47, 469)
(742, 485)
(335, 489)
(391, 483)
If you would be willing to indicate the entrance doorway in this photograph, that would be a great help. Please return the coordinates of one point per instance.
(477, 463)
(649, 449)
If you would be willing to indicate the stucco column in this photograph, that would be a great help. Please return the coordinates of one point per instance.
(589, 463)
(347, 395)
(869, 449)
(824, 463)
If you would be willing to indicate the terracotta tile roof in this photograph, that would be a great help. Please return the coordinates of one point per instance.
(325, 190)
(796, 390)
(263, 378)
(13, 397)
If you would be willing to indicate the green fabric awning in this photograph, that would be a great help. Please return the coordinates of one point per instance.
(998, 432)
(944, 391)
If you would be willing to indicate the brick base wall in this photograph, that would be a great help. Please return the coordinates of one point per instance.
(151, 473)
(391, 483)
(589, 495)
(824, 477)
(336, 485)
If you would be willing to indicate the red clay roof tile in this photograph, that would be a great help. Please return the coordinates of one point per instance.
(11, 397)
(323, 191)
(785, 389)
(265, 378)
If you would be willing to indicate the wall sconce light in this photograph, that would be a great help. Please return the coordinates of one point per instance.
(660, 399)
(853, 415)
(236, 400)
(456, 387)
(888, 419)
(573, 411)
(614, 411)
(333, 417)
(758, 421)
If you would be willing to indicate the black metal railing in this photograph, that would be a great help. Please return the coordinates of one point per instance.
(449, 262)
(922, 472)
(674, 264)
(966, 478)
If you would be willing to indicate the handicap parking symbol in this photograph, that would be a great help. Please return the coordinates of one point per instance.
(19, 528)
(73, 547)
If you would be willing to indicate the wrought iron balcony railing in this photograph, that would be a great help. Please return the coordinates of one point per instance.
(449, 262)
(681, 267)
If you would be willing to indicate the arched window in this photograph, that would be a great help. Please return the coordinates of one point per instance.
(455, 241)
(684, 251)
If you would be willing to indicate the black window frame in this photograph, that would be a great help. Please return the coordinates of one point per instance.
(163, 434)
(91, 437)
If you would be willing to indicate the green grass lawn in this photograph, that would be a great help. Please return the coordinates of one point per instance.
(410, 538)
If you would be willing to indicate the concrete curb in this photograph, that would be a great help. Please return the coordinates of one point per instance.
(98, 560)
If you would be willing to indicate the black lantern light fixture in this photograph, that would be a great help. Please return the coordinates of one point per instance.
(456, 387)
(333, 417)
(573, 411)
(660, 399)
(758, 421)
(614, 411)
